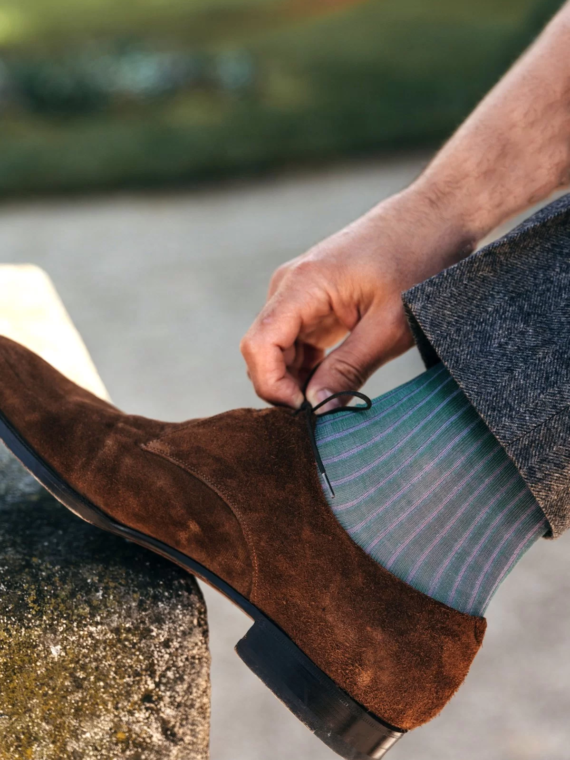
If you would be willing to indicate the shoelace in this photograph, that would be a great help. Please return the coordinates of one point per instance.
(311, 417)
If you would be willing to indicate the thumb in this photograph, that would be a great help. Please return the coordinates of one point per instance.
(350, 365)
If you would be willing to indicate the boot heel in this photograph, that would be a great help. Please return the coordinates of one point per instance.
(340, 722)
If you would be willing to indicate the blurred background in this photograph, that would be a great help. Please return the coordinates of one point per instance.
(159, 158)
(98, 95)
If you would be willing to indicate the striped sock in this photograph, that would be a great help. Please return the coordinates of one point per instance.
(423, 486)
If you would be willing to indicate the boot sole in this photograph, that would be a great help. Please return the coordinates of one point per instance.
(328, 711)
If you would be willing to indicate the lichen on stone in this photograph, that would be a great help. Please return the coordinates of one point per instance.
(103, 645)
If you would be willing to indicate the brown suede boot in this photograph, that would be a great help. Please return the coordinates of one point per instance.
(359, 656)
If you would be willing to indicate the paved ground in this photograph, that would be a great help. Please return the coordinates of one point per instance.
(162, 288)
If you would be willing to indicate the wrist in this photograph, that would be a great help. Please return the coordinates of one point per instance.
(459, 226)
(430, 233)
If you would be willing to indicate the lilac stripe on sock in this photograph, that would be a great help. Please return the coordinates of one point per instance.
(425, 494)
(426, 490)
(350, 452)
(432, 515)
(405, 439)
(493, 556)
(410, 459)
(500, 517)
(406, 488)
(472, 528)
(536, 530)
(447, 530)
(373, 418)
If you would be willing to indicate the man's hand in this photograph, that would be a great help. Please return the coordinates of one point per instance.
(348, 288)
(510, 153)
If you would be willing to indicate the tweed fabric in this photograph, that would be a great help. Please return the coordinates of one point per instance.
(500, 322)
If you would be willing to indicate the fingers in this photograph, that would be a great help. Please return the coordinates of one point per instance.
(375, 340)
(309, 357)
(281, 347)
(269, 348)
(276, 279)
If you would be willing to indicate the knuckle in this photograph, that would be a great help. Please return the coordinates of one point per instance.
(280, 272)
(247, 345)
(303, 268)
(350, 372)
(244, 344)
(264, 389)
(262, 386)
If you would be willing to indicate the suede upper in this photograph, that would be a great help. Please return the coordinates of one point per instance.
(239, 493)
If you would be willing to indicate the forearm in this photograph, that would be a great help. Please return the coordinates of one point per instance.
(514, 149)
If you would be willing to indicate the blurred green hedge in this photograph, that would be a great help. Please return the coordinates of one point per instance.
(94, 95)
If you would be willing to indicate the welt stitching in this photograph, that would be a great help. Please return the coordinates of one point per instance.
(156, 446)
(168, 431)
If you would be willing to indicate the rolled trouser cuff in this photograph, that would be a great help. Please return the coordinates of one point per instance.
(500, 321)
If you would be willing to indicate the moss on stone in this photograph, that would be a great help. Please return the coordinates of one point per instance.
(103, 645)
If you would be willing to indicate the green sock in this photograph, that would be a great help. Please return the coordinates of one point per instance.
(423, 486)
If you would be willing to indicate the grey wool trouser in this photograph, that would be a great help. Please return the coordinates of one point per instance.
(500, 322)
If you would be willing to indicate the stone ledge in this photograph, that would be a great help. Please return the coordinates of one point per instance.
(103, 645)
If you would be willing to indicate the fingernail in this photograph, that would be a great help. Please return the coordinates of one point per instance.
(298, 401)
(321, 396)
